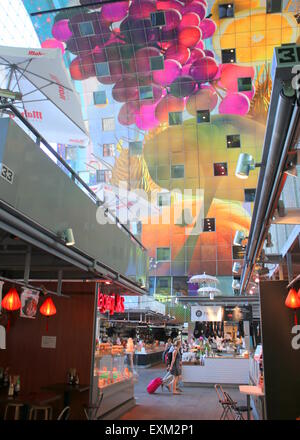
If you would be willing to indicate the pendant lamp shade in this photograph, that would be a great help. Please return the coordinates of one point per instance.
(293, 302)
(11, 301)
(48, 308)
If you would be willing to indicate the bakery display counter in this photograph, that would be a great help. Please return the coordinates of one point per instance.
(148, 357)
(113, 378)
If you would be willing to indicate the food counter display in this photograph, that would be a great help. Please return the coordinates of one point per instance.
(224, 368)
(147, 355)
(113, 378)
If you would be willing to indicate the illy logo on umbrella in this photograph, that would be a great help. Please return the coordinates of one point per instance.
(30, 115)
(35, 53)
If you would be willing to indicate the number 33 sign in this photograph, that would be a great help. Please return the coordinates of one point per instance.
(6, 173)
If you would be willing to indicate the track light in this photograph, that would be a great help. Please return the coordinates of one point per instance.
(239, 238)
(244, 164)
(236, 267)
(68, 236)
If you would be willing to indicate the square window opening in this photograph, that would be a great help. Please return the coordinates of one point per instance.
(146, 92)
(108, 150)
(203, 116)
(163, 254)
(274, 6)
(228, 56)
(244, 84)
(157, 63)
(226, 10)
(209, 224)
(99, 97)
(108, 124)
(233, 141)
(102, 69)
(136, 148)
(158, 18)
(175, 118)
(86, 29)
(249, 194)
(177, 171)
(220, 169)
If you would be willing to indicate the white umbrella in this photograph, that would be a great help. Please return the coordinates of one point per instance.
(203, 278)
(208, 290)
(49, 101)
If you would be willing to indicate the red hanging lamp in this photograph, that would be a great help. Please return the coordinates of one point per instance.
(48, 309)
(293, 302)
(11, 302)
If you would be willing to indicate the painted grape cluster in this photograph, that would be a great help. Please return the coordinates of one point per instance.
(123, 36)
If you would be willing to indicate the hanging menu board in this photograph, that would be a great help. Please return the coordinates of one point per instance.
(237, 313)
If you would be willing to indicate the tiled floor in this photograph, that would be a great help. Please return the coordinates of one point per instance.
(194, 404)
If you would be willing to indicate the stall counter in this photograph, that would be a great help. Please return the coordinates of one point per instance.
(223, 370)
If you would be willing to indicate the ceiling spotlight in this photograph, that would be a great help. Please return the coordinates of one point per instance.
(68, 236)
(236, 267)
(251, 292)
(245, 163)
(257, 279)
(238, 238)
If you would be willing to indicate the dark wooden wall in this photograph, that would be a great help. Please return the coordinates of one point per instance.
(281, 361)
(73, 327)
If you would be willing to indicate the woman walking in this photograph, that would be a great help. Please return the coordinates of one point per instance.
(175, 367)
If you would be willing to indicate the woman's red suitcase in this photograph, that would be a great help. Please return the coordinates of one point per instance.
(154, 384)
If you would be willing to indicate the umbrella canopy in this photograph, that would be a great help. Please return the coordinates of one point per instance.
(48, 101)
(208, 290)
(203, 278)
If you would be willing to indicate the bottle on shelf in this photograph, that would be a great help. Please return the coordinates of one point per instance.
(11, 388)
(18, 385)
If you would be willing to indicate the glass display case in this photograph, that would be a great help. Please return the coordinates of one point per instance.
(111, 368)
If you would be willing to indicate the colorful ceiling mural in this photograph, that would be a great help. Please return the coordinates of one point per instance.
(172, 92)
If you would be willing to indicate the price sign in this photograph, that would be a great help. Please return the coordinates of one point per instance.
(6, 173)
(287, 55)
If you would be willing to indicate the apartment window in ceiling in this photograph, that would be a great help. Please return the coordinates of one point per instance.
(233, 141)
(164, 199)
(220, 169)
(86, 29)
(102, 69)
(108, 124)
(249, 194)
(226, 10)
(177, 171)
(163, 282)
(209, 224)
(103, 176)
(274, 6)
(158, 18)
(157, 63)
(203, 116)
(163, 254)
(146, 92)
(99, 97)
(108, 150)
(127, 52)
(228, 56)
(135, 148)
(175, 118)
(244, 84)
